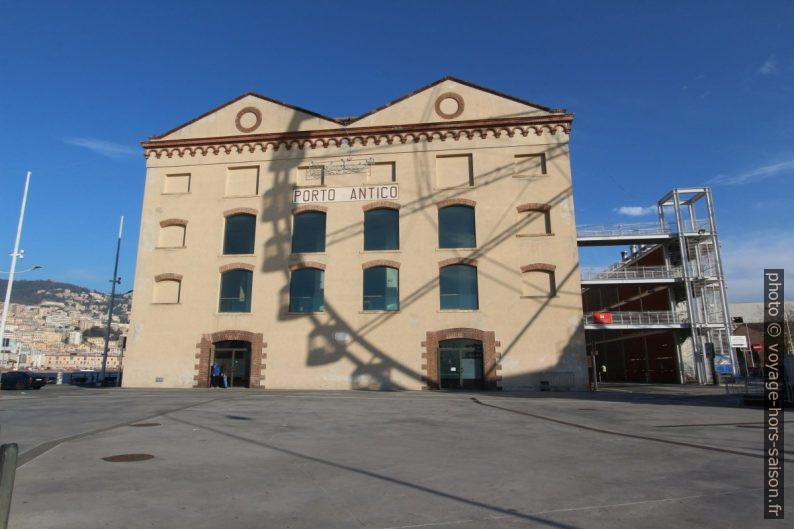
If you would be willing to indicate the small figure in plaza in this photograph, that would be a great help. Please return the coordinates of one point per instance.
(225, 379)
(603, 373)
(216, 375)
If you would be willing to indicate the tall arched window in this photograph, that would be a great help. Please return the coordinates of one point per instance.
(456, 227)
(382, 229)
(236, 291)
(381, 288)
(458, 287)
(308, 232)
(306, 290)
(239, 235)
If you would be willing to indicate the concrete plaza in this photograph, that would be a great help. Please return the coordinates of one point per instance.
(630, 456)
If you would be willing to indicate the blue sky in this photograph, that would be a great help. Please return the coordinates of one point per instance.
(665, 94)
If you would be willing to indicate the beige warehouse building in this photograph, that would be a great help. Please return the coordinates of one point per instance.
(428, 244)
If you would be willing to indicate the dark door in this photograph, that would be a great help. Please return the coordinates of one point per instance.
(234, 357)
(460, 364)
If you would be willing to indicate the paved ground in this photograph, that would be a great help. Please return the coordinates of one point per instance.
(631, 456)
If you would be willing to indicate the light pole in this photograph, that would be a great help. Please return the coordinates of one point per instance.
(16, 253)
(115, 281)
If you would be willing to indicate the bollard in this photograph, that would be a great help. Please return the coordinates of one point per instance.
(8, 469)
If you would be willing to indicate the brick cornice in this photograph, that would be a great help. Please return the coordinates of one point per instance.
(545, 267)
(455, 202)
(168, 277)
(236, 266)
(533, 206)
(306, 264)
(457, 260)
(380, 262)
(173, 222)
(380, 204)
(297, 210)
(240, 211)
(344, 136)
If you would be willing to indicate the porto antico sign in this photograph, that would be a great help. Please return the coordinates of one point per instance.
(312, 195)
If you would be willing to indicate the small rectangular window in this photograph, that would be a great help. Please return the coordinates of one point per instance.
(534, 222)
(382, 173)
(167, 291)
(538, 284)
(454, 170)
(242, 181)
(172, 236)
(529, 165)
(177, 183)
(236, 291)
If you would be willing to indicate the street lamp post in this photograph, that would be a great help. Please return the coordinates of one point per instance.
(16, 253)
(115, 281)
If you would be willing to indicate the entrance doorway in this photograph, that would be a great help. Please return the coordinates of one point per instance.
(460, 364)
(234, 357)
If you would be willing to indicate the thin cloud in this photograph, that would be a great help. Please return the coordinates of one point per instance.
(105, 148)
(754, 175)
(769, 66)
(635, 211)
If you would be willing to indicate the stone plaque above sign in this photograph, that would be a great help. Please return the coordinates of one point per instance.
(345, 194)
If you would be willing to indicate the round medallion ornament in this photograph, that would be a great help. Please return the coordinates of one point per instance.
(449, 105)
(248, 119)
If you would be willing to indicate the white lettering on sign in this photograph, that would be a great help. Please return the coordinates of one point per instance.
(311, 195)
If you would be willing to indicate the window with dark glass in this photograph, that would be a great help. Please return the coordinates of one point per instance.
(458, 285)
(456, 227)
(236, 291)
(239, 235)
(308, 232)
(382, 229)
(381, 288)
(306, 288)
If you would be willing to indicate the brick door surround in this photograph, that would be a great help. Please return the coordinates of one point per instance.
(207, 345)
(490, 358)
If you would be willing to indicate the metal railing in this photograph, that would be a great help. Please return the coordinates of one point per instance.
(660, 317)
(632, 272)
(615, 230)
(635, 229)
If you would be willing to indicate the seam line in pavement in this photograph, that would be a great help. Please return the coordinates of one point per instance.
(628, 435)
(42, 448)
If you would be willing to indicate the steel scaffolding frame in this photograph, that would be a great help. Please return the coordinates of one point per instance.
(692, 258)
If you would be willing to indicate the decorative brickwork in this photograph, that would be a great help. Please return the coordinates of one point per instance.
(239, 119)
(457, 260)
(455, 202)
(168, 277)
(533, 206)
(236, 266)
(240, 211)
(306, 264)
(449, 95)
(380, 262)
(172, 222)
(308, 207)
(490, 358)
(545, 267)
(380, 204)
(206, 350)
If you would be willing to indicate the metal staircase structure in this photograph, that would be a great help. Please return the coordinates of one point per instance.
(678, 259)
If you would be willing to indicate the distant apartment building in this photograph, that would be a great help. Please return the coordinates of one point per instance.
(429, 243)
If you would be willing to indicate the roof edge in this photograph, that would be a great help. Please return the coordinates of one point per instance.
(224, 105)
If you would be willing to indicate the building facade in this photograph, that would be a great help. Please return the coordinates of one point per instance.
(430, 243)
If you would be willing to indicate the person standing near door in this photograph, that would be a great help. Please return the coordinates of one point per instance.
(225, 380)
(216, 375)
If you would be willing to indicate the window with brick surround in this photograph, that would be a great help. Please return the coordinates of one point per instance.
(308, 232)
(456, 227)
(458, 287)
(381, 288)
(236, 291)
(382, 229)
(239, 234)
(306, 290)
